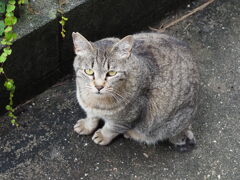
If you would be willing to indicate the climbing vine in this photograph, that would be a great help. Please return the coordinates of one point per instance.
(63, 22)
(6, 29)
(63, 19)
(8, 36)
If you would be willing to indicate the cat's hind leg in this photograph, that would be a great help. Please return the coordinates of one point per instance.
(138, 136)
(183, 142)
(133, 134)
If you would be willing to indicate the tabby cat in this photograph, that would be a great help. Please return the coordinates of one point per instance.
(143, 86)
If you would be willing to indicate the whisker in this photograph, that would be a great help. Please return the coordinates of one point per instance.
(129, 94)
(87, 87)
(115, 96)
(118, 95)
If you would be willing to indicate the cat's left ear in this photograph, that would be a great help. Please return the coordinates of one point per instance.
(122, 49)
(82, 46)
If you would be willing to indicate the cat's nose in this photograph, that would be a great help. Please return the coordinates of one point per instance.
(99, 87)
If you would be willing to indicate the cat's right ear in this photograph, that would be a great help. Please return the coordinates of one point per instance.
(122, 49)
(82, 46)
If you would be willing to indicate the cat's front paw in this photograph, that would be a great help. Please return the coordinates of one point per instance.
(100, 139)
(84, 127)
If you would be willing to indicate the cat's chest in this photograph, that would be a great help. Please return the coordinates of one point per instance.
(105, 114)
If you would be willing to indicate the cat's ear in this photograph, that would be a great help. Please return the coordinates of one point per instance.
(82, 46)
(122, 49)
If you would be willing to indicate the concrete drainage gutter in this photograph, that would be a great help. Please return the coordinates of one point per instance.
(41, 57)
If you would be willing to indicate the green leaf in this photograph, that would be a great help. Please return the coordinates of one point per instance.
(64, 18)
(14, 36)
(2, 7)
(4, 42)
(10, 114)
(62, 22)
(8, 29)
(9, 14)
(20, 2)
(2, 59)
(10, 21)
(14, 20)
(2, 26)
(8, 43)
(13, 121)
(8, 107)
(11, 2)
(7, 50)
(9, 84)
(1, 70)
(10, 7)
(10, 36)
(4, 54)
(63, 35)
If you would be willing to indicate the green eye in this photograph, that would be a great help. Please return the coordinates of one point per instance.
(89, 72)
(111, 73)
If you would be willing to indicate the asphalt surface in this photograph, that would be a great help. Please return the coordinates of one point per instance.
(46, 147)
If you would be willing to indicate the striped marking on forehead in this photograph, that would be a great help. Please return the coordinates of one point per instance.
(101, 58)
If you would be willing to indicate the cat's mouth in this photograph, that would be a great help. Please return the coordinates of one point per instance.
(99, 93)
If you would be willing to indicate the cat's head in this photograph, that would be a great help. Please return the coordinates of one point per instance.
(103, 69)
